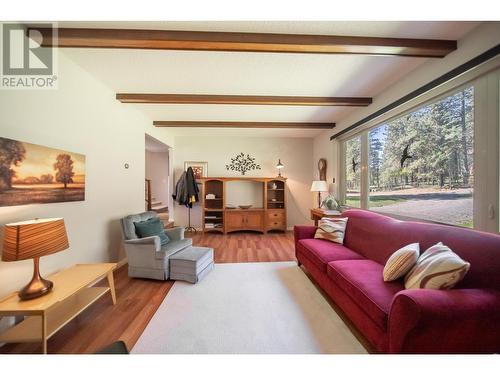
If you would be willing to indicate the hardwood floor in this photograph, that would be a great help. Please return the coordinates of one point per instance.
(138, 299)
(240, 247)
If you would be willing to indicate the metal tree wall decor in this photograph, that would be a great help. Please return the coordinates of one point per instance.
(242, 163)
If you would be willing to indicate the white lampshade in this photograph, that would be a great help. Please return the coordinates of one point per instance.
(319, 186)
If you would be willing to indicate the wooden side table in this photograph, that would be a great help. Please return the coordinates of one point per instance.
(73, 292)
(317, 214)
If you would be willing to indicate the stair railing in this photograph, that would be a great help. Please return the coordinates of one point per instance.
(148, 195)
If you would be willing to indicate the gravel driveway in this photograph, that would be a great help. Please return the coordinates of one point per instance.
(444, 207)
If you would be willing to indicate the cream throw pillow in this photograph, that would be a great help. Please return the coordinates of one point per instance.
(331, 229)
(401, 262)
(437, 268)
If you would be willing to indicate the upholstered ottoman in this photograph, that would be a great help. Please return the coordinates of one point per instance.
(191, 264)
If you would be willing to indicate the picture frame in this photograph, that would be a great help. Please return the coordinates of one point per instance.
(33, 174)
(200, 168)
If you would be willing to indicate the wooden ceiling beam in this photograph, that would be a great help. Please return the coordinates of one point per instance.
(243, 100)
(243, 124)
(244, 42)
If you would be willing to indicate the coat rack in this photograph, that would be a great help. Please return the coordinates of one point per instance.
(183, 194)
(189, 228)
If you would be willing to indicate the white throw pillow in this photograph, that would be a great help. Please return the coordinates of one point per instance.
(401, 262)
(437, 268)
(331, 229)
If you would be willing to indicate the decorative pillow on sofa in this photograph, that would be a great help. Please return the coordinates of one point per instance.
(151, 227)
(437, 268)
(331, 229)
(401, 261)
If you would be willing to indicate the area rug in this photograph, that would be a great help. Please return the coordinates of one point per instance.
(247, 308)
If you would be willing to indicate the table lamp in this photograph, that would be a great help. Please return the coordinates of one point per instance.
(319, 186)
(31, 240)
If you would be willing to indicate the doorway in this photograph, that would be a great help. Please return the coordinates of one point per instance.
(158, 179)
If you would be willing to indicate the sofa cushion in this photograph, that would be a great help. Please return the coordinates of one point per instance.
(401, 262)
(331, 229)
(321, 252)
(363, 281)
(437, 268)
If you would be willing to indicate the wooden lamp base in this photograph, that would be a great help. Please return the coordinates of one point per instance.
(38, 286)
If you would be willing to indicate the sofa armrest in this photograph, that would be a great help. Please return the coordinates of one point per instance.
(301, 232)
(175, 234)
(445, 321)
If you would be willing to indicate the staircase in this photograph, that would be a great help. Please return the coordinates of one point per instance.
(159, 207)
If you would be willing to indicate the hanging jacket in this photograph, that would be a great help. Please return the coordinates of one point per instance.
(186, 189)
(192, 188)
(180, 193)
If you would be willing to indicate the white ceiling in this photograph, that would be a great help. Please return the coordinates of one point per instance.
(196, 72)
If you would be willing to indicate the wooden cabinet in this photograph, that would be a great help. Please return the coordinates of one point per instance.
(244, 220)
(254, 220)
(218, 217)
(276, 219)
(235, 220)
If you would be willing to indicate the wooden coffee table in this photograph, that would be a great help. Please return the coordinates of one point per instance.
(73, 292)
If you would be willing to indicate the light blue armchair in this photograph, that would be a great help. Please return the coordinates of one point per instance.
(146, 257)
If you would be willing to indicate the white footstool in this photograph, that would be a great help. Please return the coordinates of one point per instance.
(191, 264)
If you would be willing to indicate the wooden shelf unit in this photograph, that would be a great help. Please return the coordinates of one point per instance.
(272, 215)
(213, 209)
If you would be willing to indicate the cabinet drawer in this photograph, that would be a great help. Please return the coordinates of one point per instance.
(275, 215)
(275, 224)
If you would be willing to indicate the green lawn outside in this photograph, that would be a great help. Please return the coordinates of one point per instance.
(376, 201)
(467, 223)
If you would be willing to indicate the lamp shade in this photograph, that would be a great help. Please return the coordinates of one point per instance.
(33, 239)
(279, 165)
(319, 186)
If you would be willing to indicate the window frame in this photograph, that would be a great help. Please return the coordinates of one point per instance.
(486, 197)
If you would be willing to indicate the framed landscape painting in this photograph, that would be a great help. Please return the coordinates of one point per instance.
(31, 173)
(200, 168)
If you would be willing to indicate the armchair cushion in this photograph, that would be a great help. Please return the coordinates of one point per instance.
(173, 247)
(152, 227)
(175, 234)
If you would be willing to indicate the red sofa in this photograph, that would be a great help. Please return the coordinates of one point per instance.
(465, 319)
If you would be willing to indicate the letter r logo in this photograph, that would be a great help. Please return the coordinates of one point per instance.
(22, 53)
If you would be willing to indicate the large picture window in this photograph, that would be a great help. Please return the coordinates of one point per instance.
(421, 164)
(352, 170)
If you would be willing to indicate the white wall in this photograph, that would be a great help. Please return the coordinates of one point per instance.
(324, 149)
(295, 154)
(476, 42)
(83, 116)
(157, 168)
